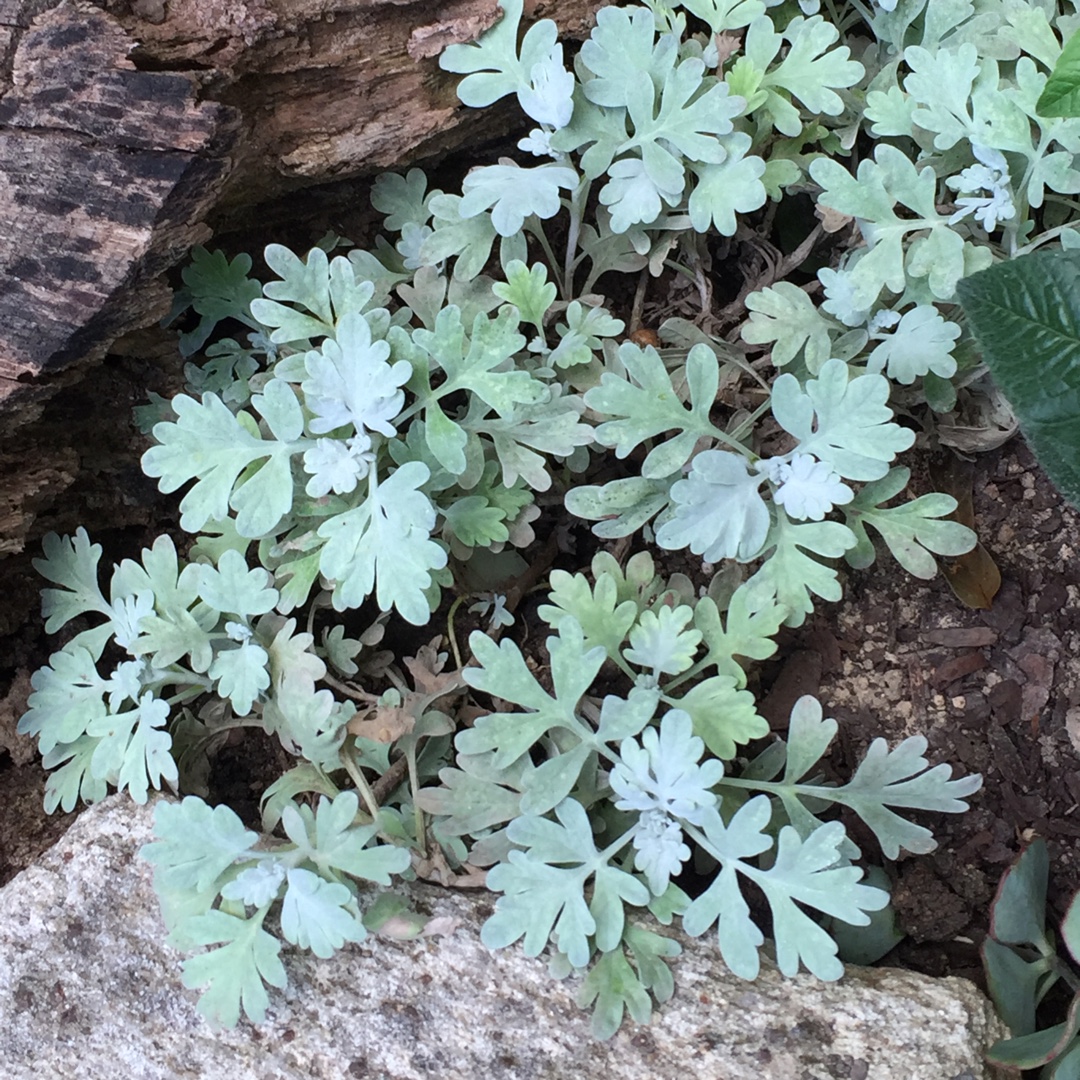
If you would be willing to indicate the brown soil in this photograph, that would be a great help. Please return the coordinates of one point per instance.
(995, 692)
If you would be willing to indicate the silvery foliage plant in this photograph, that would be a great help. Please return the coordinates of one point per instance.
(388, 424)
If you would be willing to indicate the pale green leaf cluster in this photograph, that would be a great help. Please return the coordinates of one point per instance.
(674, 144)
(348, 451)
(731, 504)
(919, 244)
(217, 889)
(651, 764)
(958, 96)
(187, 633)
(552, 755)
(973, 162)
(399, 419)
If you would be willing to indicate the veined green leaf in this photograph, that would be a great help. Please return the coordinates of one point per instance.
(1025, 315)
(1061, 95)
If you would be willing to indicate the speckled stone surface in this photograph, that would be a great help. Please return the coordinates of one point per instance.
(89, 990)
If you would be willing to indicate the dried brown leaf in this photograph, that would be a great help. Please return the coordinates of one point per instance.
(727, 45)
(426, 669)
(974, 578)
(961, 637)
(388, 724)
(436, 868)
(957, 668)
(832, 221)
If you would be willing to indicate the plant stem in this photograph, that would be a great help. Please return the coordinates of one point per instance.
(345, 688)
(614, 848)
(1066, 973)
(360, 781)
(1045, 238)
(747, 425)
(577, 212)
(450, 632)
(418, 814)
(679, 268)
(538, 232)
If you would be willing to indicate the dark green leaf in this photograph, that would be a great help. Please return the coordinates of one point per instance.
(1026, 316)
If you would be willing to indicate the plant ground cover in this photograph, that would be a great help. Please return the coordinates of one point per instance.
(894, 658)
(960, 678)
(889, 661)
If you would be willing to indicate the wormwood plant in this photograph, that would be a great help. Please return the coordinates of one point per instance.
(386, 428)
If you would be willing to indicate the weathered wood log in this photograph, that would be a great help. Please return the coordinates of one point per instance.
(125, 125)
(105, 175)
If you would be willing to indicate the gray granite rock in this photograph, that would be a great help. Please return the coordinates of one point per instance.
(89, 991)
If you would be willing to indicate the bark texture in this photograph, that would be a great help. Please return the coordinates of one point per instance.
(125, 125)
